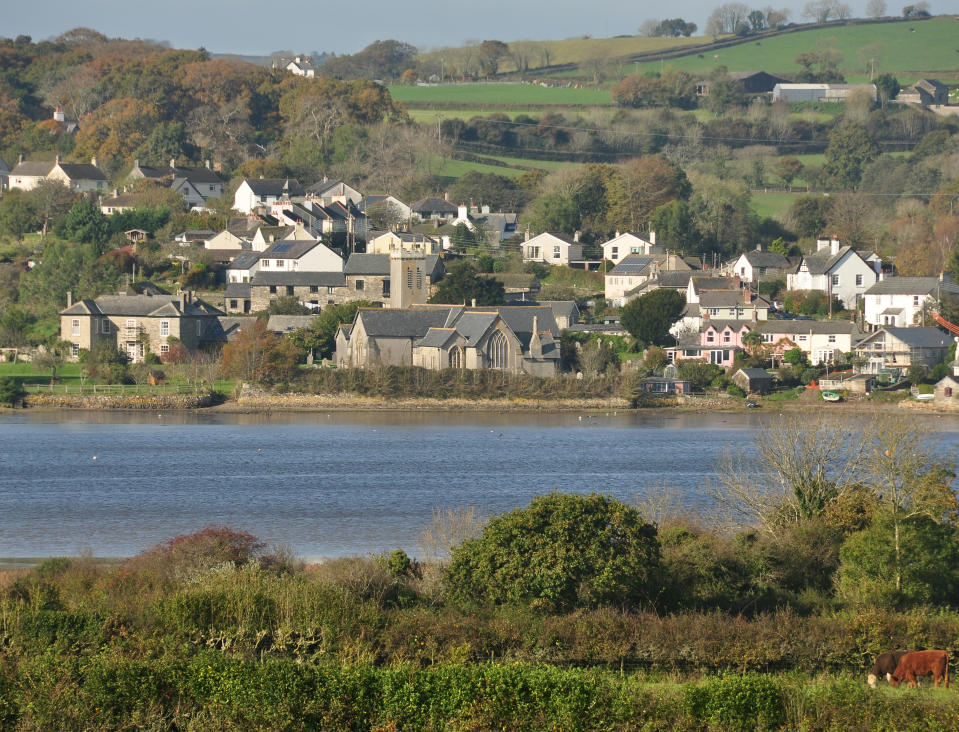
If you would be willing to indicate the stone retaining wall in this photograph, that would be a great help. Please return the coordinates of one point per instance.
(106, 401)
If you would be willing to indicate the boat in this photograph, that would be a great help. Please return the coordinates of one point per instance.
(925, 397)
(831, 396)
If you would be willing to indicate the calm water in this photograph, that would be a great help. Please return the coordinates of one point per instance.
(328, 484)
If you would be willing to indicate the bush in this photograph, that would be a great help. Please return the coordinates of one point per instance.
(744, 702)
(560, 552)
(187, 555)
(11, 392)
(735, 391)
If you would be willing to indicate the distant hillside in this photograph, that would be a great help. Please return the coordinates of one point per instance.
(905, 49)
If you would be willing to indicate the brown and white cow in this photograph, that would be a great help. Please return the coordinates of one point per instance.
(921, 663)
(885, 664)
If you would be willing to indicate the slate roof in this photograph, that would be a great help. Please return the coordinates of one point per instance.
(913, 286)
(723, 299)
(816, 327)
(437, 337)
(714, 284)
(721, 325)
(121, 201)
(563, 309)
(84, 171)
(275, 186)
(232, 325)
(140, 306)
(431, 205)
(473, 325)
(520, 320)
(32, 168)
(288, 323)
(298, 279)
(328, 188)
(757, 374)
(239, 290)
(770, 260)
(245, 260)
(822, 262)
(920, 337)
(401, 323)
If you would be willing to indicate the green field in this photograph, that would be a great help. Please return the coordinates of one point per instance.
(773, 205)
(907, 50)
(500, 94)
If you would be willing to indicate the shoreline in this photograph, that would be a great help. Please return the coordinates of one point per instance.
(261, 403)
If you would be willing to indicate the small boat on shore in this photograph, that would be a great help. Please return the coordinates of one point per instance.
(831, 396)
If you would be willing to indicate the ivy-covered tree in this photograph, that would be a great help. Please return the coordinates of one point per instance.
(563, 551)
(851, 149)
(461, 286)
(649, 317)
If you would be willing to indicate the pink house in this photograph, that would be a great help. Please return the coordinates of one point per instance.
(719, 342)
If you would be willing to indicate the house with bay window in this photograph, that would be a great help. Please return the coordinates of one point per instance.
(138, 324)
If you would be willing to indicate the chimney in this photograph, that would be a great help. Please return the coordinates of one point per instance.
(182, 300)
(834, 245)
(617, 234)
(261, 176)
(652, 237)
(58, 158)
(576, 237)
(69, 298)
(20, 158)
(136, 163)
(759, 247)
(462, 212)
(93, 161)
(207, 164)
(116, 192)
(446, 196)
(474, 302)
(173, 163)
(527, 234)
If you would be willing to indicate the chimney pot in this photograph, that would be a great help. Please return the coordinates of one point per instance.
(93, 161)
(58, 159)
(208, 165)
(69, 298)
(173, 163)
(20, 158)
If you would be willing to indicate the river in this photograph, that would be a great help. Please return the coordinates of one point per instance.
(339, 484)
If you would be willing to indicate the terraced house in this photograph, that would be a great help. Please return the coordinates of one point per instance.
(137, 324)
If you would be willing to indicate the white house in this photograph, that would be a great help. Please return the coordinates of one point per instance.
(550, 248)
(254, 193)
(823, 341)
(896, 349)
(329, 191)
(900, 301)
(226, 239)
(757, 265)
(291, 255)
(838, 271)
(386, 242)
(622, 245)
(243, 267)
(79, 177)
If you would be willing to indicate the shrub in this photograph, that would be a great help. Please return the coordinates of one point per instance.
(11, 392)
(742, 702)
(560, 552)
(187, 555)
(735, 391)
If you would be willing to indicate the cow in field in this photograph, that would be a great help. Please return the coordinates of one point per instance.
(921, 663)
(885, 664)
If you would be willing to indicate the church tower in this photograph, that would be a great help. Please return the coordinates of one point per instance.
(408, 280)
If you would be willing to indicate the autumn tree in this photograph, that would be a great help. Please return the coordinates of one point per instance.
(113, 132)
(490, 53)
(260, 356)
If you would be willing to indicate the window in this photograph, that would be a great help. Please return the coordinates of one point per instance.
(289, 290)
(948, 390)
(835, 280)
(233, 305)
(419, 278)
(709, 336)
(314, 289)
(767, 337)
(75, 327)
(272, 289)
(802, 338)
(266, 263)
(915, 301)
(614, 252)
(212, 188)
(725, 336)
(456, 357)
(164, 328)
(164, 349)
(858, 280)
(832, 339)
(556, 252)
(498, 351)
(199, 327)
(409, 279)
(359, 285)
(714, 311)
(386, 288)
(75, 350)
(105, 326)
(330, 290)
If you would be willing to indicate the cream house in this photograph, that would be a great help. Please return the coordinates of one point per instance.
(838, 271)
(547, 248)
(79, 177)
(622, 245)
(901, 301)
(138, 323)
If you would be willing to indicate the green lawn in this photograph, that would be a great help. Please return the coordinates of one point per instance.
(458, 168)
(500, 94)
(774, 204)
(907, 50)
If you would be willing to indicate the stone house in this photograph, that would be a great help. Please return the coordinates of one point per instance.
(137, 323)
(753, 381)
(313, 289)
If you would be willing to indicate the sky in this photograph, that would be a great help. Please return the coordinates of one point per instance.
(258, 28)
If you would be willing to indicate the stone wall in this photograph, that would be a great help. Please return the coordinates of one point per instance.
(105, 401)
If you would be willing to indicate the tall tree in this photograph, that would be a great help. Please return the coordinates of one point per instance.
(461, 286)
(648, 318)
(850, 149)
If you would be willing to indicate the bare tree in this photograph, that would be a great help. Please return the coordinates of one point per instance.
(649, 28)
(797, 467)
(727, 18)
(876, 8)
(448, 528)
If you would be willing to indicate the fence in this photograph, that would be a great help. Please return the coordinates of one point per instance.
(116, 389)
